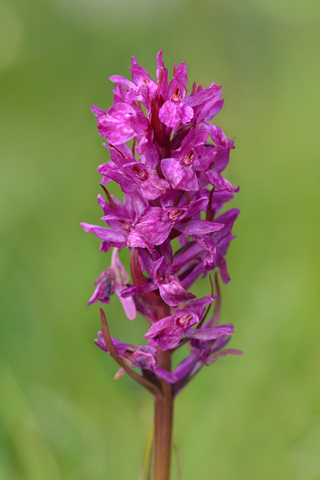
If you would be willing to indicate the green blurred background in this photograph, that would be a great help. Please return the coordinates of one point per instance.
(62, 416)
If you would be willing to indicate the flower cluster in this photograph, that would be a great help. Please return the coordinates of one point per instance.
(168, 161)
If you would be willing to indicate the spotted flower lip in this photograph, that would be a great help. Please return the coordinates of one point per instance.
(175, 111)
(121, 123)
(156, 223)
(167, 332)
(179, 169)
(169, 163)
(133, 176)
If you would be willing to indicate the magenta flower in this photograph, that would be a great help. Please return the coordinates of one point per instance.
(175, 110)
(114, 280)
(133, 176)
(169, 162)
(143, 357)
(168, 332)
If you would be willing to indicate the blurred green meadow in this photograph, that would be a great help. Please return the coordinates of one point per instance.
(62, 416)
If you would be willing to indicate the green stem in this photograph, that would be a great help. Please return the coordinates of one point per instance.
(163, 416)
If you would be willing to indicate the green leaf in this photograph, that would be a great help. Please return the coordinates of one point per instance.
(145, 469)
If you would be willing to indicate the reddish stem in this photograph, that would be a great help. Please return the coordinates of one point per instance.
(163, 415)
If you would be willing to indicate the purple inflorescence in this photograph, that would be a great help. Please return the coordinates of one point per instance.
(171, 176)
